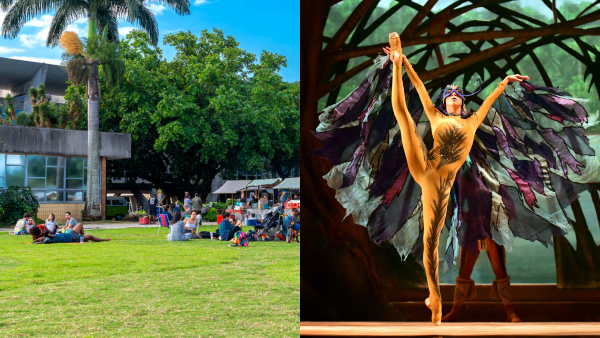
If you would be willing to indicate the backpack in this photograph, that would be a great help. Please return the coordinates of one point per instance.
(239, 239)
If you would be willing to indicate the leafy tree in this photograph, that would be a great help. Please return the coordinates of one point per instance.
(102, 17)
(15, 201)
(223, 111)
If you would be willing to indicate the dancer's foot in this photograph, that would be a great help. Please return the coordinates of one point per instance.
(512, 317)
(436, 311)
(396, 47)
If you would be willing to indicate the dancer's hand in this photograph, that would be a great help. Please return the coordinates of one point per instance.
(517, 78)
(387, 51)
(396, 48)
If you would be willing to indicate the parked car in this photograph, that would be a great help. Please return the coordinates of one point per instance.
(116, 207)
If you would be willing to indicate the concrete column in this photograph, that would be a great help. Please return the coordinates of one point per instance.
(103, 189)
(36, 80)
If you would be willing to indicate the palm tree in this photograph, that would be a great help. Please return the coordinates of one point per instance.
(102, 16)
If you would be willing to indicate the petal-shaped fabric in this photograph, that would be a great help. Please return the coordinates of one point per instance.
(530, 160)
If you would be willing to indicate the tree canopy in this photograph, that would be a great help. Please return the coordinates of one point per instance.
(211, 109)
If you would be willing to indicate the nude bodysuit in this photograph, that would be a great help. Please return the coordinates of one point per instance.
(435, 170)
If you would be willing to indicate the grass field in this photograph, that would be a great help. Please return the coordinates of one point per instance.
(141, 285)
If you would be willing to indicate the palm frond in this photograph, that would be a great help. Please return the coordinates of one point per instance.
(69, 12)
(22, 11)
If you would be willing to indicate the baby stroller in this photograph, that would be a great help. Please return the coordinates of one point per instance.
(270, 224)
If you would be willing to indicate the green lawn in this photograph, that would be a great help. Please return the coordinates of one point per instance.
(141, 285)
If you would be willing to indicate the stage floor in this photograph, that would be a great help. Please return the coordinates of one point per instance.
(422, 329)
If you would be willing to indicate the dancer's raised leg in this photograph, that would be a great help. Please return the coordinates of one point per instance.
(412, 142)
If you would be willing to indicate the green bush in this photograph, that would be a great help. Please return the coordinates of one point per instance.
(211, 215)
(24, 119)
(15, 201)
(221, 205)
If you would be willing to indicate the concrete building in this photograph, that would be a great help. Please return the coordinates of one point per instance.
(17, 76)
(53, 163)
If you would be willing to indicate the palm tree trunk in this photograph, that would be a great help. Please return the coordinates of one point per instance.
(93, 179)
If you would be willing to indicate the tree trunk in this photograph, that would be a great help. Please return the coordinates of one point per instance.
(93, 179)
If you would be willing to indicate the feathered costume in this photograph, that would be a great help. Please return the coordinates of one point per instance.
(529, 161)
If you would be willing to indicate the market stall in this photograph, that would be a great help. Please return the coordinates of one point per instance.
(253, 213)
(292, 185)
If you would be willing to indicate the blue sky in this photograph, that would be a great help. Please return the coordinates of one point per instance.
(256, 25)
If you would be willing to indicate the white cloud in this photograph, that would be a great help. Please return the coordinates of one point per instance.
(123, 31)
(201, 2)
(6, 50)
(35, 40)
(34, 59)
(156, 9)
(42, 22)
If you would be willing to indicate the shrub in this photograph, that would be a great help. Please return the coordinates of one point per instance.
(15, 201)
(211, 215)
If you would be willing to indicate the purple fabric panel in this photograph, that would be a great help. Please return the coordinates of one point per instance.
(574, 137)
(512, 136)
(543, 150)
(503, 142)
(338, 144)
(566, 158)
(391, 163)
(547, 102)
(531, 87)
(476, 205)
(489, 141)
(385, 221)
(531, 172)
(572, 105)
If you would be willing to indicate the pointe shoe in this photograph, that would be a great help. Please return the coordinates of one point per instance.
(395, 47)
(436, 311)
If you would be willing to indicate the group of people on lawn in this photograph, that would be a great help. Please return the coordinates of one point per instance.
(71, 232)
(229, 227)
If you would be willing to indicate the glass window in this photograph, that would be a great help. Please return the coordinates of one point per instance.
(40, 195)
(2, 165)
(2, 182)
(85, 178)
(15, 159)
(118, 202)
(55, 196)
(74, 196)
(36, 183)
(55, 178)
(36, 166)
(15, 175)
(52, 161)
(74, 167)
(74, 184)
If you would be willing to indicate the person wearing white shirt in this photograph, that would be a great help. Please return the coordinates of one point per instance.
(51, 223)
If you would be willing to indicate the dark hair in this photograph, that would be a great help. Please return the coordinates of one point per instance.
(176, 217)
(197, 195)
(295, 210)
(35, 231)
(194, 210)
(68, 212)
(226, 214)
(26, 215)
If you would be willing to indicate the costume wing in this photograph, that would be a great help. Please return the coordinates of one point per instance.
(361, 138)
(530, 161)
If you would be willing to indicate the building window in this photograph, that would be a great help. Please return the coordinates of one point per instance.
(51, 178)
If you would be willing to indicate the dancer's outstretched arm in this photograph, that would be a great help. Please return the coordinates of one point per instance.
(477, 117)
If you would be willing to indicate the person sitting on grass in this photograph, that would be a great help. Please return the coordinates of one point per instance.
(225, 227)
(21, 226)
(235, 228)
(191, 222)
(51, 223)
(73, 236)
(70, 224)
(177, 232)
